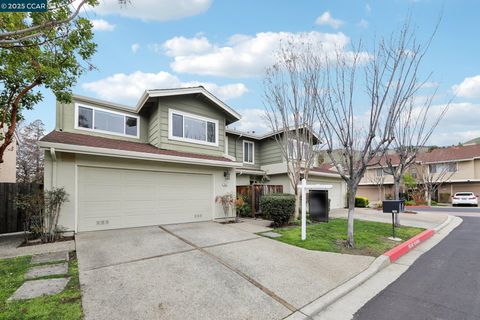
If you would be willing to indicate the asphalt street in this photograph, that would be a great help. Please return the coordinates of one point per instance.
(457, 211)
(444, 283)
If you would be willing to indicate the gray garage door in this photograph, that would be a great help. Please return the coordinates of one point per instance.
(119, 198)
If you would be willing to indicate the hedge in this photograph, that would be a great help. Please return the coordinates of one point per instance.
(361, 202)
(278, 207)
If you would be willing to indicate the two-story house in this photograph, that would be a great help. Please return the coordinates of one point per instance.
(455, 168)
(164, 161)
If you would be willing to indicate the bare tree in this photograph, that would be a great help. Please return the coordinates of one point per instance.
(390, 82)
(432, 176)
(412, 130)
(290, 110)
(29, 155)
(379, 182)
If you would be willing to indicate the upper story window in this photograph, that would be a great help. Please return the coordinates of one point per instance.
(295, 146)
(248, 152)
(379, 172)
(443, 167)
(192, 128)
(106, 121)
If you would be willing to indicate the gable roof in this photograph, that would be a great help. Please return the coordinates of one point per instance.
(445, 154)
(66, 139)
(265, 135)
(185, 91)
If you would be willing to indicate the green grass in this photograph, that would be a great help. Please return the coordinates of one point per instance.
(371, 238)
(64, 305)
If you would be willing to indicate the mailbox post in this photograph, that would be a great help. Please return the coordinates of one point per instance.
(394, 207)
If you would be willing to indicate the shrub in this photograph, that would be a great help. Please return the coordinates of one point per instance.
(434, 203)
(244, 210)
(361, 202)
(279, 207)
(410, 203)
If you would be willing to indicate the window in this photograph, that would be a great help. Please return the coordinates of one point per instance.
(101, 120)
(380, 172)
(248, 152)
(294, 146)
(413, 172)
(443, 167)
(192, 128)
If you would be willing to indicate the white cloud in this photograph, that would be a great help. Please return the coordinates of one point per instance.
(252, 120)
(181, 46)
(102, 25)
(363, 24)
(124, 88)
(368, 8)
(430, 85)
(469, 88)
(459, 124)
(135, 47)
(327, 19)
(243, 55)
(159, 10)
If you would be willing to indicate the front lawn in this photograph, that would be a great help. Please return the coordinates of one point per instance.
(371, 238)
(64, 305)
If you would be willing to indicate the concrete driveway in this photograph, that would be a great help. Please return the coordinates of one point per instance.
(202, 271)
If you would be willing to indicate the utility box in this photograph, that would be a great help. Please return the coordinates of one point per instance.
(393, 205)
(319, 205)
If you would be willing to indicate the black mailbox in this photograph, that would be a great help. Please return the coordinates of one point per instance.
(319, 205)
(393, 205)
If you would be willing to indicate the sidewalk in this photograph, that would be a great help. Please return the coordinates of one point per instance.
(425, 220)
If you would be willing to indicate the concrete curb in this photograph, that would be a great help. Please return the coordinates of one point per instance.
(376, 266)
(335, 294)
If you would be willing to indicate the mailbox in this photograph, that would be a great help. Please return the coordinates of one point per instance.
(393, 205)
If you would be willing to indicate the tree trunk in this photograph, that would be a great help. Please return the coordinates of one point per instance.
(351, 211)
(429, 198)
(297, 205)
(396, 184)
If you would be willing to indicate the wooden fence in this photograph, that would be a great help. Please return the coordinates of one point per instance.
(253, 193)
(11, 218)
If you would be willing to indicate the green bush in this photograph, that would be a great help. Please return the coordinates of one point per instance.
(361, 202)
(278, 207)
(410, 203)
(244, 210)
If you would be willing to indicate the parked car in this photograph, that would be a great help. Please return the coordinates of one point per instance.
(465, 198)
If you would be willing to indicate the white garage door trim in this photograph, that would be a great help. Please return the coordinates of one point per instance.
(134, 168)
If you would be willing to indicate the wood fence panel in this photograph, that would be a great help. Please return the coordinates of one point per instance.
(11, 219)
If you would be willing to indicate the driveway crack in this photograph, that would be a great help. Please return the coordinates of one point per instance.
(257, 284)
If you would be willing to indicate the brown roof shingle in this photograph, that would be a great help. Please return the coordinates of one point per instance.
(107, 143)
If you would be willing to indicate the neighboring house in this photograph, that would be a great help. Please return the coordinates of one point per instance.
(264, 163)
(164, 161)
(8, 169)
(461, 165)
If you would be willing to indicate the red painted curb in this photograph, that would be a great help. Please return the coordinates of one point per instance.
(408, 245)
(418, 207)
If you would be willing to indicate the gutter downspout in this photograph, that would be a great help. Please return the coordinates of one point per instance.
(236, 140)
(54, 168)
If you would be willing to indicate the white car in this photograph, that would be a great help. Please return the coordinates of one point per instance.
(465, 198)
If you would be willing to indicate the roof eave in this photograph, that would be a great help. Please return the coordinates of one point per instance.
(62, 147)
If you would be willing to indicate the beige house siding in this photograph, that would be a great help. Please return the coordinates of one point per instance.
(8, 169)
(192, 105)
(65, 121)
(64, 173)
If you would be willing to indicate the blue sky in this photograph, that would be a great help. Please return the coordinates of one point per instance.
(225, 45)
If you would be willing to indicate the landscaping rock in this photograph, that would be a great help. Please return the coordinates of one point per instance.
(37, 288)
(48, 270)
(50, 257)
(271, 234)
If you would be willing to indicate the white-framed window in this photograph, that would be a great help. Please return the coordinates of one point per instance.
(443, 167)
(189, 127)
(379, 172)
(248, 152)
(295, 146)
(106, 121)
